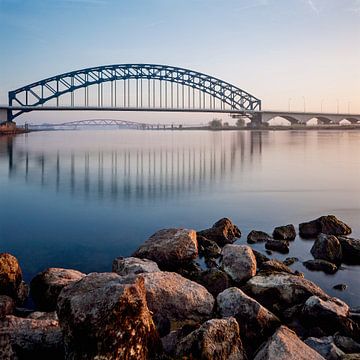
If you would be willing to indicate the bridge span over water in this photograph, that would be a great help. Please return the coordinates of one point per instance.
(147, 87)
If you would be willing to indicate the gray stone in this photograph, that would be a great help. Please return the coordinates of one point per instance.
(169, 248)
(346, 344)
(216, 339)
(320, 265)
(7, 306)
(239, 262)
(285, 345)
(132, 266)
(286, 232)
(273, 265)
(325, 346)
(350, 249)
(208, 248)
(257, 236)
(327, 247)
(278, 245)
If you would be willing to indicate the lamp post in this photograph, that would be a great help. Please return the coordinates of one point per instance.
(337, 102)
(322, 101)
(349, 104)
(290, 103)
(304, 103)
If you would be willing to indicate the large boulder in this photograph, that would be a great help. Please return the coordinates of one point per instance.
(320, 265)
(256, 236)
(285, 345)
(260, 258)
(30, 339)
(11, 283)
(216, 339)
(214, 280)
(350, 249)
(175, 300)
(325, 346)
(105, 316)
(208, 248)
(286, 232)
(46, 286)
(273, 265)
(222, 232)
(331, 315)
(169, 248)
(281, 246)
(132, 266)
(329, 225)
(256, 321)
(239, 262)
(7, 306)
(327, 247)
(279, 291)
(346, 344)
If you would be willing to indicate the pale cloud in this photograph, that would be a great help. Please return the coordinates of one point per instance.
(356, 7)
(312, 5)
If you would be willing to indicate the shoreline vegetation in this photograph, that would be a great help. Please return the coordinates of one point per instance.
(160, 303)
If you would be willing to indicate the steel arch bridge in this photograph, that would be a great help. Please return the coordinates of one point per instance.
(153, 86)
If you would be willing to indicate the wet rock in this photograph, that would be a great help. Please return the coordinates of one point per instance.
(32, 339)
(222, 232)
(351, 357)
(269, 252)
(7, 306)
(285, 345)
(329, 225)
(325, 346)
(273, 265)
(350, 249)
(131, 265)
(331, 315)
(46, 286)
(346, 344)
(286, 232)
(257, 322)
(208, 248)
(340, 287)
(216, 339)
(290, 261)
(239, 262)
(321, 265)
(174, 300)
(260, 258)
(278, 245)
(11, 283)
(327, 247)
(214, 280)
(105, 316)
(41, 315)
(258, 236)
(169, 248)
(280, 291)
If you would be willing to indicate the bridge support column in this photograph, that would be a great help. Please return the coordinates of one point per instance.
(256, 120)
(4, 116)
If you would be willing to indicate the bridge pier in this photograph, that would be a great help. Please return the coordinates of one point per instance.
(4, 115)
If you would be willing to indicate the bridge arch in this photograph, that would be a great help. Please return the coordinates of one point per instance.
(53, 88)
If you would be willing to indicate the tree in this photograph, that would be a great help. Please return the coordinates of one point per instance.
(215, 124)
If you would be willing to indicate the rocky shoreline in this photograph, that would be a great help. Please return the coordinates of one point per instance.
(160, 303)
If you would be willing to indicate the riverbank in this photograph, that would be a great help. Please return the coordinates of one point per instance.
(186, 293)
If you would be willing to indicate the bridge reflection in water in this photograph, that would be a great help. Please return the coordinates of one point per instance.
(128, 173)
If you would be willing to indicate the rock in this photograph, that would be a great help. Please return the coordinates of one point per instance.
(132, 265)
(222, 232)
(340, 287)
(260, 258)
(208, 248)
(278, 245)
(216, 339)
(214, 280)
(331, 315)
(351, 357)
(280, 291)
(327, 247)
(290, 260)
(257, 322)
(11, 283)
(272, 266)
(329, 225)
(346, 344)
(170, 248)
(46, 286)
(239, 262)
(174, 300)
(7, 306)
(32, 339)
(269, 252)
(258, 236)
(40, 315)
(105, 316)
(320, 265)
(286, 232)
(325, 346)
(285, 345)
(350, 249)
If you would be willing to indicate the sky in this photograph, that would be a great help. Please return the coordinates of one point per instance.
(282, 51)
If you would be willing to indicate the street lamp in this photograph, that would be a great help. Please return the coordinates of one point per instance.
(337, 101)
(349, 104)
(304, 103)
(290, 103)
(322, 101)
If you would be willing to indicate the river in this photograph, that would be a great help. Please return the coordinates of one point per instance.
(78, 199)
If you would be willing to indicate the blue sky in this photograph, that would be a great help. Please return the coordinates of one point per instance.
(275, 49)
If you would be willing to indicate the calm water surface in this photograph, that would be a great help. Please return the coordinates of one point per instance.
(78, 199)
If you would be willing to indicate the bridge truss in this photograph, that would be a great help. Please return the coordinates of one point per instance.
(139, 86)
